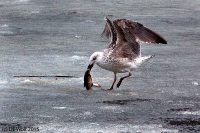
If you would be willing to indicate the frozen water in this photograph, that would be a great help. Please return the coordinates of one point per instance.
(195, 83)
(107, 128)
(59, 107)
(56, 38)
(190, 113)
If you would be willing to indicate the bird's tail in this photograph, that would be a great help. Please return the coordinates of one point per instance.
(141, 60)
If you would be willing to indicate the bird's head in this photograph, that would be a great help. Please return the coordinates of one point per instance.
(95, 58)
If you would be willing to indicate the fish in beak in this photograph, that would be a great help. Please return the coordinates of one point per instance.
(87, 77)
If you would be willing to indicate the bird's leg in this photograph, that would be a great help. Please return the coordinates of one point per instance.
(115, 78)
(120, 81)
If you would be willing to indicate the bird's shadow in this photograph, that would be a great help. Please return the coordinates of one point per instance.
(126, 101)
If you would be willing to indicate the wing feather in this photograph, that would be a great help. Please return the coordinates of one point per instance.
(141, 33)
(106, 32)
(126, 35)
(109, 32)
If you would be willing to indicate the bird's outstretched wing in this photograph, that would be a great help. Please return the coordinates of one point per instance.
(110, 32)
(106, 32)
(126, 35)
(139, 32)
(126, 45)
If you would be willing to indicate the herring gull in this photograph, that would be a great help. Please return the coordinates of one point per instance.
(123, 54)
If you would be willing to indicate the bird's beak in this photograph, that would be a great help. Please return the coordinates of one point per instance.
(90, 66)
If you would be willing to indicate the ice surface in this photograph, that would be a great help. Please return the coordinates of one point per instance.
(106, 128)
(56, 38)
(190, 113)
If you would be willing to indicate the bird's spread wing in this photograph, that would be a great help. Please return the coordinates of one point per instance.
(126, 50)
(109, 32)
(126, 35)
(126, 44)
(106, 32)
(140, 33)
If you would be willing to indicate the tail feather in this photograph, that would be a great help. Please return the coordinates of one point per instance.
(144, 59)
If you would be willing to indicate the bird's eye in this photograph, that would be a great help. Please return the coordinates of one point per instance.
(94, 58)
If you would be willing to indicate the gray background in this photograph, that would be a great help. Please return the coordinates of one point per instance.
(49, 37)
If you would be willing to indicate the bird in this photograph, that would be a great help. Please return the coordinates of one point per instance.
(123, 54)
